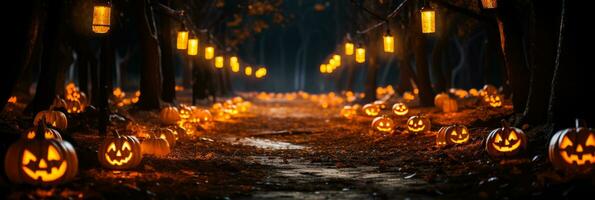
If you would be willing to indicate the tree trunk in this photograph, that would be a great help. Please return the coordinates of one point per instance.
(438, 52)
(150, 80)
(168, 94)
(545, 30)
(426, 94)
(572, 85)
(511, 39)
(371, 73)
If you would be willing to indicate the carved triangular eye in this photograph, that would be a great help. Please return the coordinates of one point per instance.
(53, 153)
(112, 147)
(453, 133)
(498, 139)
(566, 143)
(28, 157)
(411, 122)
(590, 141)
(126, 146)
(420, 123)
(49, 134)
(512, 136)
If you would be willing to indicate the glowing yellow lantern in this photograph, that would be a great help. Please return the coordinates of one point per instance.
(389, 43)
(332, 63)
(209, 52)
(323, 68)
(428, 20)
(337, 59)
(219, 62)
(101, 17)
(360, 55)
(349, 48)
(248, 71)
(489, 4)
(193, 47)
(235, 65)
(260, 72)
(182, 41)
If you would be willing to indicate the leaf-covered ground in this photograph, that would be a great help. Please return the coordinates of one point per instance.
(295, 149)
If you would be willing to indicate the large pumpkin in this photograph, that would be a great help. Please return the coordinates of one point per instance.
(119, 152)
(573, 149)
(41, 161)
(418, 124)
(449, 105)
(506, 141)
(54, 118)
(383, 124)
(169, 115)
(455, 134)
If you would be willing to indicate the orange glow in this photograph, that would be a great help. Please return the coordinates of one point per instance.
(101, 18)
(428, 20)
(389, 44)
(219, 62)
(349, 48)
(209, 52)
(360, 55)
(248, 71)
(182, 41)
(193, 47)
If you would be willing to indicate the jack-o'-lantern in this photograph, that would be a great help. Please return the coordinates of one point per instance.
(371, 110)
(169, 115)
(493, 100)
(505, 141)
(383, 124)
(184, 111)
(167, 134)
(381, 104)
(53, 118)
(155, 146)
(48, 133)
(439, 99)
(418, 124)
(573, 149)
(400, 109)
(449, 105)
(455, 134)
(201, 116)
(348, 112)
(188, 127)
(74, 107)
(231, 109)
(41, 161)
(119, 152)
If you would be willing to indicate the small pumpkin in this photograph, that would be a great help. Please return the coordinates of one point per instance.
(439, 99)
(449, 105)
(155, 146)
(54, 118)
(184, 111)
(169, 115)
(505, 141)
(493, 100)
(573, 149)
(400, 109)
(167, 134)
(383, 124)
(371, 110)
(348, 112)
(119, 152)
(41, 161)
(455, 134)
(418, 124)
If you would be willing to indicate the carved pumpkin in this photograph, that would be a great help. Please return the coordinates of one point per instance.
(573, 149)
(56, 119)
(418, 124)
(155, 146)
(184, 111)
(230, 109)
(169, 115)
(167, 134)
(449, 105)
(74, 106)
(439, 99)
(455, 134)
(41, 161)
(371, 110)
(383, 124)
(348, 112)
(119, 152)
(493, 100)
(400, 109)
(506, 141)
(381, 104)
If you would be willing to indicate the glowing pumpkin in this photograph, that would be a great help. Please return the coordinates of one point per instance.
(155, 146)
(383, 124)
(167, 134)
(201, 116)
(74, 106)
(439, 99)
(41, 161)
(573, 149)
(449, 105)
(506, 141)
(400, 109)
(48, 133)
(371, 110)
(53, 118)
(184, 111)
(169, 115)
(493, 100)
(119, 152)
(381, 104)
(418, 124)
(455, 134)
(348, 112)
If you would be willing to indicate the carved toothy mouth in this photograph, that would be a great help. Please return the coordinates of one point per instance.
(513, 147)
(118, 162)
(45, 176)
(384, 129)
(578, 159)
(460, 139)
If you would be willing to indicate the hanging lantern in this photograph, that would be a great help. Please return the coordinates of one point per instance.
(219, 62)
(389, 42)
(323, 68)
(428, 20)
(182, 41)
(360, 55)
(235, 65)
(248, 71)
(349, 48)
(337, 59)
(209, 52)
(489, 4)
(332, 63)
(101, 17)
(193, 47)
(260, 72)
